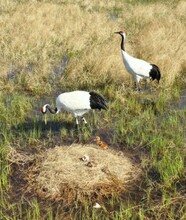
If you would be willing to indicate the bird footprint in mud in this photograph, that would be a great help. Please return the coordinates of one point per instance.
(102, 144)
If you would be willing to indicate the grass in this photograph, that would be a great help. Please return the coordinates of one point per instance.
(47, 47)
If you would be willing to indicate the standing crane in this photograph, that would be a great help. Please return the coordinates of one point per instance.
(78, 103)
(138, 68)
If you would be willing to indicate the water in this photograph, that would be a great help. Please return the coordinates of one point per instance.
(180, 104)
(182, 101)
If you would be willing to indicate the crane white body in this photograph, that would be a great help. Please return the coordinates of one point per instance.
(138, 68)
(78, 103)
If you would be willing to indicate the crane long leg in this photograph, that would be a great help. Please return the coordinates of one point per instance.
(138, 85)
(77, 123)
(84, 120)
(145, 84)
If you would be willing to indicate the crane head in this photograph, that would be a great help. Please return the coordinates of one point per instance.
(44, 109)
(120, 32)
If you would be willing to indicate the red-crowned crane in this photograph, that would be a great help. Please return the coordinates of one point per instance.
(78, 103)
(138, 68)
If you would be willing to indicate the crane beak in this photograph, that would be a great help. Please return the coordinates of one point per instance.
(117, 32)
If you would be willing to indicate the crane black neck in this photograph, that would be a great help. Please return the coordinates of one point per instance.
(122, 43)
(51, 110)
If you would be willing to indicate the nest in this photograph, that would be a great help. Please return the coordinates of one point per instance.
(77, 171)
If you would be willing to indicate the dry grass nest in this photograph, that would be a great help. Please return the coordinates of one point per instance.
(76, 171)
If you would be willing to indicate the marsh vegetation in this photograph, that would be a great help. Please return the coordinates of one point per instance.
(48, 47)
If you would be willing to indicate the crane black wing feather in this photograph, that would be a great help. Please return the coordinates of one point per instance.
(155, 72)
(97, 101)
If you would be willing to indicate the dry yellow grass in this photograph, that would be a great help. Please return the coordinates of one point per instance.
(40, 33)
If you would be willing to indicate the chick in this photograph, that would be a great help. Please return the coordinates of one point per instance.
(102, 144)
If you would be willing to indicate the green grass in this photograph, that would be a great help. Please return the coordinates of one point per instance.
(158, 132)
